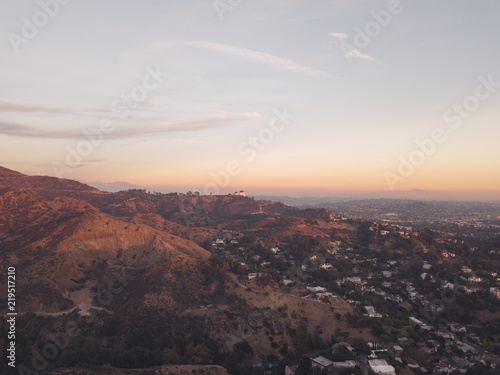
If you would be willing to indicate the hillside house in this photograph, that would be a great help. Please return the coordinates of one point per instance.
(345, 364)
(321, 363)
(316, 289)
(371, 312)
(380, 366)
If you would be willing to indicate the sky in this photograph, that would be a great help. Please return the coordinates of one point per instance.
(291, 97)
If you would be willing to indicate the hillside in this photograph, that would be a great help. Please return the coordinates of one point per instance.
(163, 370)
(127, 264)
(49, 187)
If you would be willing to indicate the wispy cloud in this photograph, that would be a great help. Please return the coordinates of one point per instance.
(140, 130)
(275, 62)
(9, 106)
(339, 36)
(356, 54)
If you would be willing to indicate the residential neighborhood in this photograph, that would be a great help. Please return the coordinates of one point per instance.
(419, 305)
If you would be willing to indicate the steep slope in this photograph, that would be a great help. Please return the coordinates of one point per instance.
(196, 234)
(61, 245)
(49, 187)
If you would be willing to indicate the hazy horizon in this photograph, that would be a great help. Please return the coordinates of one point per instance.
(345, 97)
(412, 194)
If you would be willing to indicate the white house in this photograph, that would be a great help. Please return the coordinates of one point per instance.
(321, 362)
(345, 364)
(371, 312)
(316, 289)
(380, 366)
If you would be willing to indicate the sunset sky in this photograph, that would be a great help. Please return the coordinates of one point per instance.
(284, 97)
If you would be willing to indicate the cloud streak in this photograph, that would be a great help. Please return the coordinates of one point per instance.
(339, 36)
(8, 106)
(126, 132)
(356, 54)
(274, 62)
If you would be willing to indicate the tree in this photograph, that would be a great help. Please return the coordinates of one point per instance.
(126, 359)
(304, 365)
(284, 349)
(361, 345)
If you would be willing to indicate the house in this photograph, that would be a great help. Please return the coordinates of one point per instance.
(461, 362)
(316, 289)
(398, 349)
(412, 364)
(355, 280)
(345, 364)
(455, 327)
(380, 366)
(422, 325)
(321, 362)
(448, 285)
(473, 289)
(441, 368)
(495, 292)
(415, 321)
(326, 266)
(274, 250)
(253, 275)
(394, 298)
(474, 279)
(290, 370)
(466, 348)
(344, 344)
(446, 335)
(371, 312)
(386, 273)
